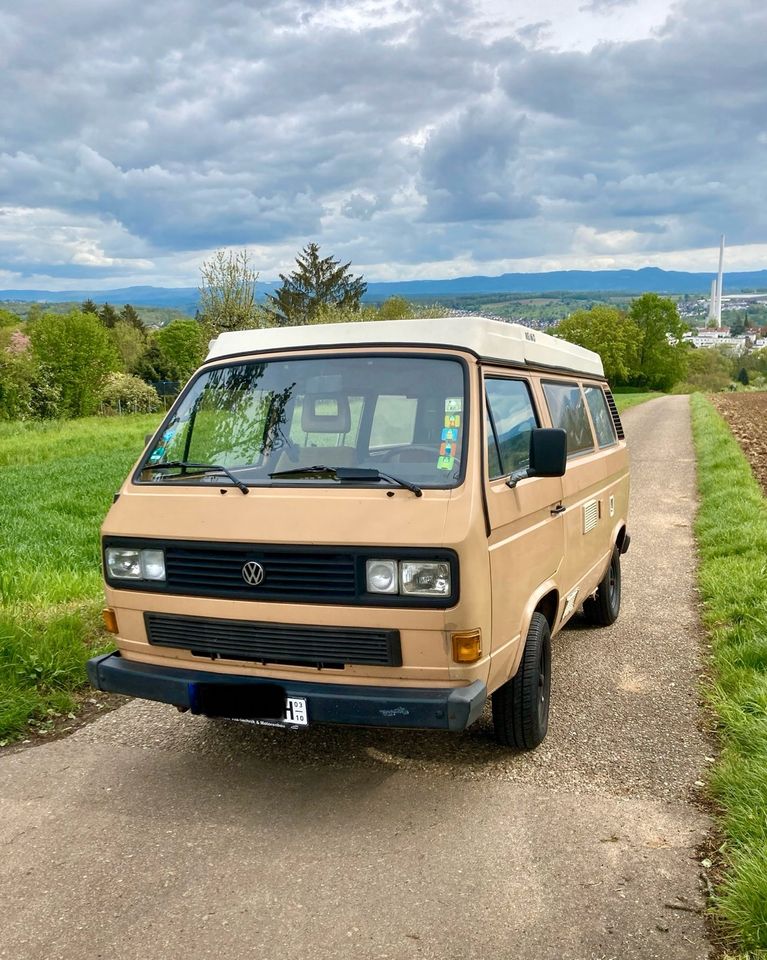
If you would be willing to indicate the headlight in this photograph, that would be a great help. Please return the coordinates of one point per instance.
(381, 576)
(126, 563)
(419, 578)
(425, 578)
(153, 564)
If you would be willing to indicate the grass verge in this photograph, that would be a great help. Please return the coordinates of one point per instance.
(56, 484)
(630, 399)
(731, 529)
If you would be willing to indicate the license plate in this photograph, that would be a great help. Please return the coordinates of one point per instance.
(295, 716)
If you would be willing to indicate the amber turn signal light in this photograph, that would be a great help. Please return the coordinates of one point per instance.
(467, 646)
(110, 620)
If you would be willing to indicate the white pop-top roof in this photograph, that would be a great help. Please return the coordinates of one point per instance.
(489, 339)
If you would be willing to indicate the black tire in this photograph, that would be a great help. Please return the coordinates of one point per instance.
(521, 705)
(603, 608)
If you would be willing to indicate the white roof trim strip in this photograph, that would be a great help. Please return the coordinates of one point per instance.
(488, 339)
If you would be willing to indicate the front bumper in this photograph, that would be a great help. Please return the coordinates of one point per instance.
(445, 708)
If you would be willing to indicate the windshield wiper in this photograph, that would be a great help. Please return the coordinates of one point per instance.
(204, 467)
(349, 473)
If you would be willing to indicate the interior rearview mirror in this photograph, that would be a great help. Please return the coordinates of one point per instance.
(548, 455)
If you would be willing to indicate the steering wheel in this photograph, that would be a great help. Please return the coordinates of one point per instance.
(395, 455)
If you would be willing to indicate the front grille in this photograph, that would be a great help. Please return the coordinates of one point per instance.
(275, 642)
(301, 573)
(615, 415)
(288, 575)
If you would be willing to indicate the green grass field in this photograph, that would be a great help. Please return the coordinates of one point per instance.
(631, 398)
(56, 484)
(732, 537)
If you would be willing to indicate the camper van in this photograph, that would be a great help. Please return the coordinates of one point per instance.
(381, 524)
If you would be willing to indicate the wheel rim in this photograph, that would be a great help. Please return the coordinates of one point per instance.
(543, 693)
(613, 586)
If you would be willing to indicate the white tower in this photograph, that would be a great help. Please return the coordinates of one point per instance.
(715, 303)
(712, 304)
(719, 284)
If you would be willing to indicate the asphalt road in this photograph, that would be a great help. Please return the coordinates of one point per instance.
(153, 835)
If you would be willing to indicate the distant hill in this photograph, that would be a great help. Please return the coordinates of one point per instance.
(151, 316)
(178, 298)
(648, 279)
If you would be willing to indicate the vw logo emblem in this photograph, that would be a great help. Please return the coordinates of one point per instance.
(253, 573)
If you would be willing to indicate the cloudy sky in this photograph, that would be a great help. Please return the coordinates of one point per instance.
(416, 138)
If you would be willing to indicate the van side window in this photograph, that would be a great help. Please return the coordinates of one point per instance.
(600, 416)
(493, 459)
(568, 412)
(511, 419)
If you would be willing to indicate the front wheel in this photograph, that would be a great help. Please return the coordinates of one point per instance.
(603, 608)
(521, 705)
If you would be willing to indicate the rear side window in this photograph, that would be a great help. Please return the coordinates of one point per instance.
(600, 416)
(568, 412)
(511, 419)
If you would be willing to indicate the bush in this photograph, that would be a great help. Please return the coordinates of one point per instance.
(77, 353)
(123, 393)
(27, 391)
(15, 391)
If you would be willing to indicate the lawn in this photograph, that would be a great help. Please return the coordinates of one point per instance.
(732, 539)
(56, 483)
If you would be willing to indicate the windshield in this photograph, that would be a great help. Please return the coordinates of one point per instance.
(400, 415)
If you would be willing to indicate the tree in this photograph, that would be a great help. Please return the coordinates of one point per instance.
(154, 366)
(109, 316)
(228, 294)
(316, 282)
(183, 344)
(330, 313)
(129, 315)
(755, 361)
(662, 354)
(88, 306)
(8, 318)
(78, 353)
(610, 333)
(738, 324)
(395, 308)
(130, 342)
(743, 376)
(26, 389)
(16, 370)
(708, 369)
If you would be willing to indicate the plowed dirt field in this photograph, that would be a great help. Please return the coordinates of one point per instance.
(746, 413)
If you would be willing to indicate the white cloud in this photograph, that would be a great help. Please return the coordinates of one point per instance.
(421, 138)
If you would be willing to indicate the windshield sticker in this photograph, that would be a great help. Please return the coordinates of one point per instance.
(453, 405)
(157, 454)
(446, 450)
(445, 463)
(452, 420)
(450, 433)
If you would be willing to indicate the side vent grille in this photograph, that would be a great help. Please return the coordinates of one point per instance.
(614, 414)
(590, 515)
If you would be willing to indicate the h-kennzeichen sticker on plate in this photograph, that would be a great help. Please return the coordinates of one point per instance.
(295, 716)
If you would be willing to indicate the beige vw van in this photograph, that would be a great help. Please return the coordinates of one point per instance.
(377, 523)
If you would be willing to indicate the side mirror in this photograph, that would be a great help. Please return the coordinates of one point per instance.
(147, 438)
(548, 456)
